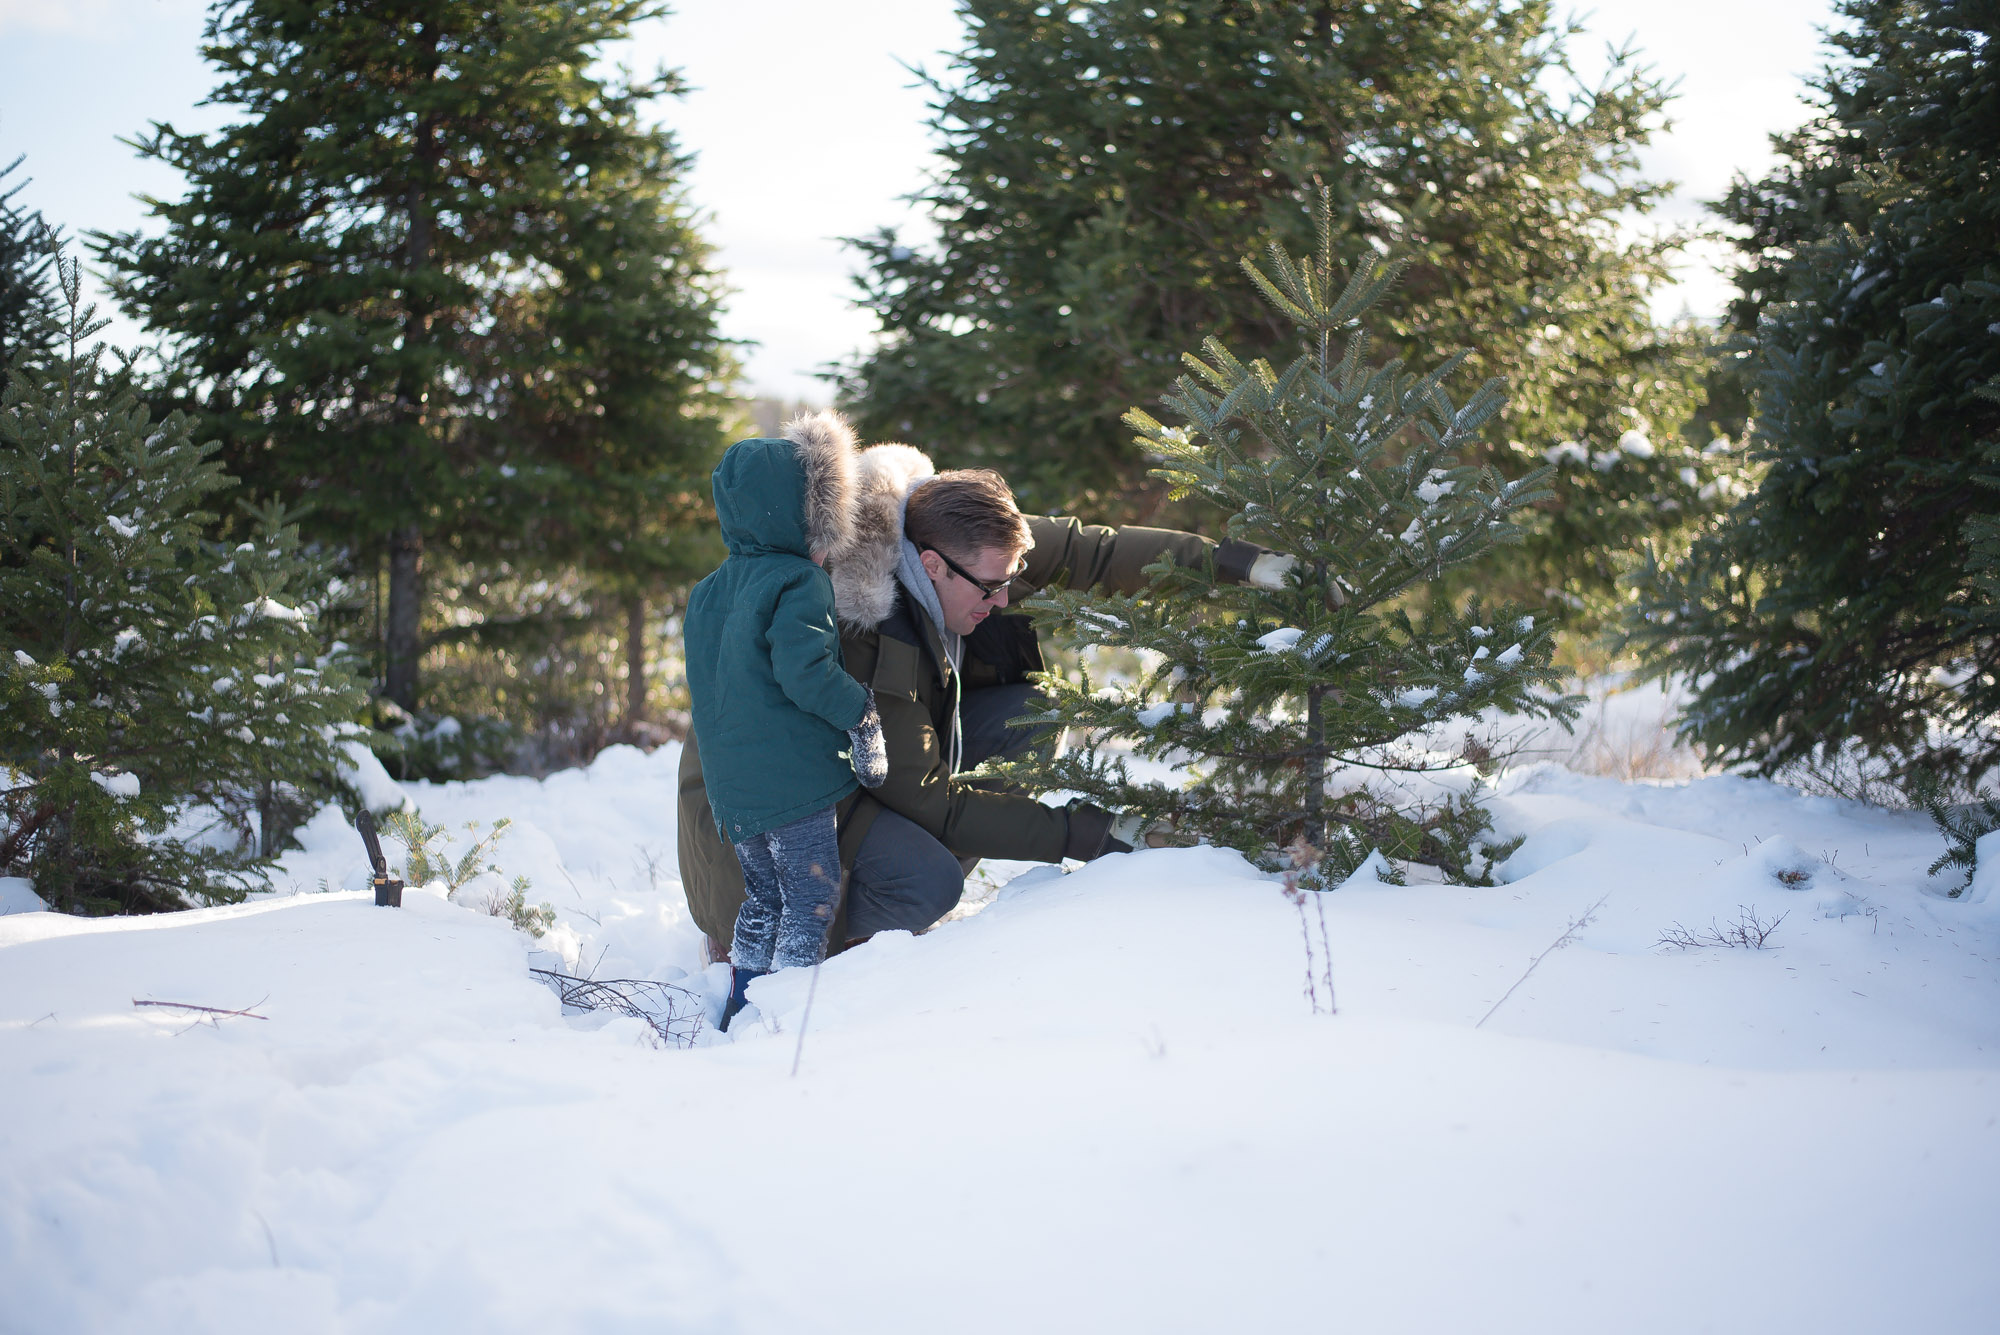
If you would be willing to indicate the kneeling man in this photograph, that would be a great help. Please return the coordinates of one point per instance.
(922, 597)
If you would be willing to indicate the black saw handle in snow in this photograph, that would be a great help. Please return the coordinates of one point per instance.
(388, 890)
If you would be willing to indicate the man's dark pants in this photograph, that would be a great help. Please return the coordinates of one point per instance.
(902, 877)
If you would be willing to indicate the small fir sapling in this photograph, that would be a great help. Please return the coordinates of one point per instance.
(428, 860)
(534, 920)
(1301, 711)
(166, 709)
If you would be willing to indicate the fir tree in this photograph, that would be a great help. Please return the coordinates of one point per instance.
(149, 677)
(389, 288)
(620, 392)
(1104, 161)
(1301, 712)
(28, 303)
(1841, 604)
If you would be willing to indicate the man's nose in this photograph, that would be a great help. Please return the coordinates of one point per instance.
(999, 599)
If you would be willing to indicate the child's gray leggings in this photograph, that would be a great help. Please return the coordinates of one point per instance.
(791, 885)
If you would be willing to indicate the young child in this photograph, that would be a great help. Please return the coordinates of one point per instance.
(772, 703)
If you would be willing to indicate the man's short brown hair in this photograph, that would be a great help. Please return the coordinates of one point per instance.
(964, 512)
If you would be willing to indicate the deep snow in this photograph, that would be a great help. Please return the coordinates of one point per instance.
(1099, 1102)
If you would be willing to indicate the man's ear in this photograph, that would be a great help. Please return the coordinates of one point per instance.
(933, 564)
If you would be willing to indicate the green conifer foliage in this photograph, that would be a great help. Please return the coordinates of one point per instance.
(1841, 604)
(1105, 161)
(1299, 711)
(149, 677)
(438, 282)
(28, 302)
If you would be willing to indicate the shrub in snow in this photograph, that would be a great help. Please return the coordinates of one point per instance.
(428, 860)
(165, 713)
(1304, 697)
(514, 907)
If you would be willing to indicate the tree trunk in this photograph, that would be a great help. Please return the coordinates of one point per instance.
(267, 820)
(635, 666)
(1315, 830)
(406, 602)
(406, 542)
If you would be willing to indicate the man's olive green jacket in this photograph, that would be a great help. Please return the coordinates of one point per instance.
(892, 647)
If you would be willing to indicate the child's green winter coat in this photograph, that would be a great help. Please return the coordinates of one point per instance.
(772, 702)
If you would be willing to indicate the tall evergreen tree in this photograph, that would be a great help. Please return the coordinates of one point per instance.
(1841, 602)
(1300, 712)
(1104, 162)
(29, 305)
(148, 674)
(389, 285)
(621, 388)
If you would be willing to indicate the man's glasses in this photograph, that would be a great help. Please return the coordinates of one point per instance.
(988, 588)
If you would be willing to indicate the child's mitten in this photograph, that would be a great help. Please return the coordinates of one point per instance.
(870, 756)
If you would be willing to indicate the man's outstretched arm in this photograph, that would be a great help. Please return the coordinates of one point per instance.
(1115, 559)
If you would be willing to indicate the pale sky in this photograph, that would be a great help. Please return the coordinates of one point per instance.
(806, 129)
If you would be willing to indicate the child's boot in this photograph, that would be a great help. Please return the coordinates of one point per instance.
(739, 985)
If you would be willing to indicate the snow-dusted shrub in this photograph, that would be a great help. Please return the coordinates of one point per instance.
(166, 713)
(440, 748)
(535, 920)
(427, 859)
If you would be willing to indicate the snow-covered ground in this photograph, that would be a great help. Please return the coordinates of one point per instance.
(1100, 1103)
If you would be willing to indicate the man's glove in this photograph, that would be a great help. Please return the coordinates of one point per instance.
(1268, 571)
(869, 755)
(1093, 832)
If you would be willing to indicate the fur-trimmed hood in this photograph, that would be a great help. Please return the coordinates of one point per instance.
(795, 494)
(864, 571)
(826, 449)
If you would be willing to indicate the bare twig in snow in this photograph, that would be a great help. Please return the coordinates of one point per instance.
(673, 1013)
(1326, 953)
(246, 1013)
(650, 860)
(1311, 988)
(811, 987)
(1304, 857)
(1748, 931)
(1569, 934)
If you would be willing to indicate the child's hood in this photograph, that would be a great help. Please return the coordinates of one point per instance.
(794, 494)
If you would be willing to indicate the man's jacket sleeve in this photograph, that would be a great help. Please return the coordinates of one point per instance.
(1113, 560)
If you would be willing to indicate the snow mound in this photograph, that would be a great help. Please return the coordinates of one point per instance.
(17, 895)
(1102, 1095)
